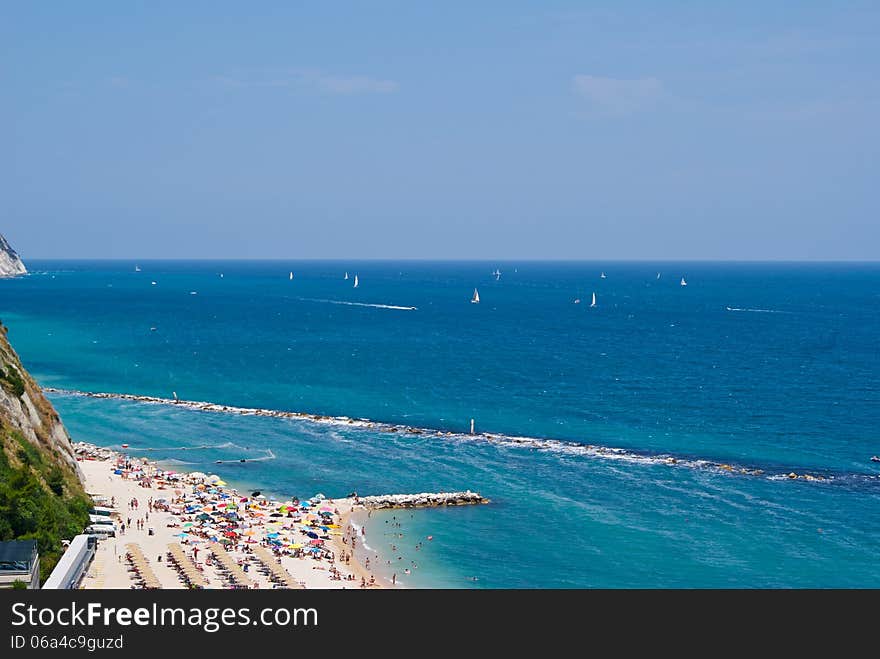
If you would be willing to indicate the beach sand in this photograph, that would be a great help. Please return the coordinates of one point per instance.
(145, 482)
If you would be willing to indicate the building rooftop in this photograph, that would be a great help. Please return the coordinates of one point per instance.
(17, 555)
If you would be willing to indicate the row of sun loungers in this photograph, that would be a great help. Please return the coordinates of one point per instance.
(277, 573)
(144, 575)
(232, 570)
(186, 569)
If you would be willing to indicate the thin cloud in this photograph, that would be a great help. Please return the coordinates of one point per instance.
(617, 96)
(312, 79)
(333, 84)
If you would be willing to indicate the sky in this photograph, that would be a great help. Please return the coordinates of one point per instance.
(442, 130)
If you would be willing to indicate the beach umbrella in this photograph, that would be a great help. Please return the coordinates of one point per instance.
(312, 534)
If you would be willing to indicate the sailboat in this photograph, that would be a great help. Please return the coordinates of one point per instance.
(476, 298)
(683, 282)
(658, 275)
(291, 276)
(602, 276)
(355, 281)
(137, 268)
(577, 300)
(346, 276)
(497, 274)
(593, 303)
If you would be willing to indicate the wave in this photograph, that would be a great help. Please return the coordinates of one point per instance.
(359, 304)
(560, 446)
(756, 310)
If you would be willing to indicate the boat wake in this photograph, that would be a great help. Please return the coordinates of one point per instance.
(359, 304)
(565, 447)
(755, 310)
(269, 456)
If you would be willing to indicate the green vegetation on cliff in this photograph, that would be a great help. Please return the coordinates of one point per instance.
(41, 496)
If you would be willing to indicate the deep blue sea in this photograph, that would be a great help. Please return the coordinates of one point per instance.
(771, 367)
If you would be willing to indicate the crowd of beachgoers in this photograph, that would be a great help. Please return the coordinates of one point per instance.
(192, 530)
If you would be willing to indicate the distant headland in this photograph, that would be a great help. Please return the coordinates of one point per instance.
(10, 262)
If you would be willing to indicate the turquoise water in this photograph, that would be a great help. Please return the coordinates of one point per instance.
(770, 367)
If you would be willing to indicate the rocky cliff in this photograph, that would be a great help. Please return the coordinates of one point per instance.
(10, 263)
(41, 491)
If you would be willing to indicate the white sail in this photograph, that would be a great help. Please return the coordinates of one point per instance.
(658, 275)
(476, 298)
(291, 276)
(593, 303)
(346, 275)
(355, 281)
(602, 276)
(683, 282)
(137, 268)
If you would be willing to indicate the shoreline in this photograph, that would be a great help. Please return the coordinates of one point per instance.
(154, 507)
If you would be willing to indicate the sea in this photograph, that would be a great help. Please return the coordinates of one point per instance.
(717, 434)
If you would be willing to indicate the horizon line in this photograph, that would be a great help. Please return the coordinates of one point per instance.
(451, 260)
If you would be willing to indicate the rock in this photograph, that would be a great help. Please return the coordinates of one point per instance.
(422, 500)
(10, 262)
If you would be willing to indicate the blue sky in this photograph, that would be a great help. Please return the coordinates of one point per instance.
(441, 130)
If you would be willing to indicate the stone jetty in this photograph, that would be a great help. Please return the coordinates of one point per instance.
(423, 500)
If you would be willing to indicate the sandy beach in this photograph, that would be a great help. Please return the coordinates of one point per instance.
(227, 538)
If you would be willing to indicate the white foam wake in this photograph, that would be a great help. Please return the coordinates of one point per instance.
(755, 310)
(360, 304)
